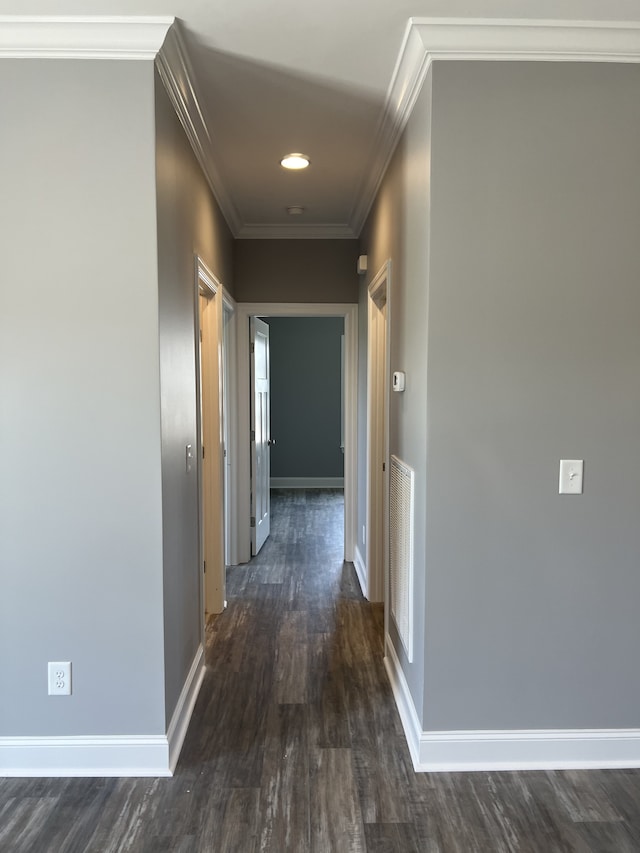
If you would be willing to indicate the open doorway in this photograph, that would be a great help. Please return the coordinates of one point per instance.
(296, 412)
(229, 420)
(210, 449)
(297, 434)
(260, 404)
(348, 313)
(378, 367)
(307, 435)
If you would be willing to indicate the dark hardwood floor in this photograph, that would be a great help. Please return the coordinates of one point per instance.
(295, 744)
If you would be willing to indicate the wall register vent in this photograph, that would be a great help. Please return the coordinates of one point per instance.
(401, 550)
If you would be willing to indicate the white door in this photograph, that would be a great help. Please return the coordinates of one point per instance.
(260, 439)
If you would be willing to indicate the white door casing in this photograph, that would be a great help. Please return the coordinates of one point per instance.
(378, 369)
(260, 435)
(229, 428)
(349, 311)
(209, 424)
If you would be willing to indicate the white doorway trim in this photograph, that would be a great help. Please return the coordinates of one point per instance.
(378, 368)
(209, 419)
(260, 397)
(230, 427)
(349, 312)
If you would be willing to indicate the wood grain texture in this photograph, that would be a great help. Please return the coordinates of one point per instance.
(336, 820)
(295, 745)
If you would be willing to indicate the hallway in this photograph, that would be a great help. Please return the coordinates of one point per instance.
(296, 747)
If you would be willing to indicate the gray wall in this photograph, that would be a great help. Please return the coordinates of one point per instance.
(534, 355)
(397, 228)
(80, 491)
(306, 396)
(515, 316)
(188, 222)
(98, 532)
(296, 270)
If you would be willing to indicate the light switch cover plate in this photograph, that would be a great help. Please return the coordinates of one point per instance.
(571, 476)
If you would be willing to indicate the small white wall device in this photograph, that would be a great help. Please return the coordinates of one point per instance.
(571, 476)
(398, 381)
(362, 264)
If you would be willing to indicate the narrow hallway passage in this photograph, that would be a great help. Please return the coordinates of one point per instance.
(295, 682)
(295, 745)
(298, 747)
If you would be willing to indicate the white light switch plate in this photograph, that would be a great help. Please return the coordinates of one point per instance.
(571, 476)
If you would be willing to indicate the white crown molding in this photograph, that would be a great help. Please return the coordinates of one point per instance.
(425, 40)
(296, 232)
(126, 37)
(47, 37)
(429, 39)
(178, 78)
(528, 749)
(528, 40)
(406, 82)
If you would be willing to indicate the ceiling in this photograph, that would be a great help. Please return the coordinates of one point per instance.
(303, 75)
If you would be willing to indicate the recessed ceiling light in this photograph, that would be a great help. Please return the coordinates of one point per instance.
(295, 210)
(295, 161)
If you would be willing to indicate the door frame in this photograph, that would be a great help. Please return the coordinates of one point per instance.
(378, 380)
(348, 311)
(213, 583)
(260, 437)
(230, 418)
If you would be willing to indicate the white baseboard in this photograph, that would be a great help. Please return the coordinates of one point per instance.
(109, 755)
(361, 570)
(528, 749)
(184, 708)
(84, 756)
(307, 483)
(404, 702)
(532, 749)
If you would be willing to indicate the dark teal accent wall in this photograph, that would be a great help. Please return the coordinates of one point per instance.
(306, 396)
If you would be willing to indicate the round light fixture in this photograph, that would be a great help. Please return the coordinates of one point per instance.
(295, 161)
(295, 210)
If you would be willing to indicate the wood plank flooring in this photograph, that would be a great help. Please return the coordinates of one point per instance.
(295, 744)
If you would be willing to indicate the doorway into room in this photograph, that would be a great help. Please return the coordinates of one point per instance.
(348, 314)
(378, 369)
(208, 458)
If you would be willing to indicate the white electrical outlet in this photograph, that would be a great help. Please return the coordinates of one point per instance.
(364, 535)
(60, 678)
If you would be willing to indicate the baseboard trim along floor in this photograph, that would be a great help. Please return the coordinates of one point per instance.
(184, 709)
(536, 749)
(361, 571)
(95, 756)
(307, 482)
(84, 756)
